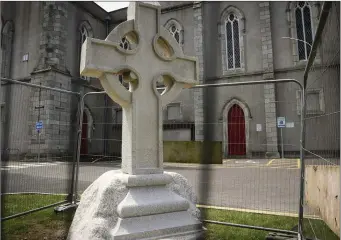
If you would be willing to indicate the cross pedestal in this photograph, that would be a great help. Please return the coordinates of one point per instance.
(145, 206)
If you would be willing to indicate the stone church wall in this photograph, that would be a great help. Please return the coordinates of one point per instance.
(76, 16)
(26, 38)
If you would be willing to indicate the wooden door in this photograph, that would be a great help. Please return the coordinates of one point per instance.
(236, 131)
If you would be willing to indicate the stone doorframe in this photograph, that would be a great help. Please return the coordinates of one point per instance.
(224, 117)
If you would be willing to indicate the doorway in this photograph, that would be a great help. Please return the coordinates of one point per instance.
(236, 131)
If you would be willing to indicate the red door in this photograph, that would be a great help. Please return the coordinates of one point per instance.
(84, 142)
(236, 131)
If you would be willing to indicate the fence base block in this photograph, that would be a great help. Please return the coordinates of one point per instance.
(65, 207)
(280, 236)
(283, 236)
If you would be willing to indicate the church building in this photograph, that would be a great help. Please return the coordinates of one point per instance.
(233, 42)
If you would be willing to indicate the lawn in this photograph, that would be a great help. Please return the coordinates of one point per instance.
(47, 224)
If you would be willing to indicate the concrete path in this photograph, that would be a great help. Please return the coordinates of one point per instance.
(240, 185)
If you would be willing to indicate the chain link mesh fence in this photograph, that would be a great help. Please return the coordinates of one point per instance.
(322, 120)
(39, 129)
(249, 171)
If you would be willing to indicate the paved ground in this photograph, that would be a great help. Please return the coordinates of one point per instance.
(257, 184)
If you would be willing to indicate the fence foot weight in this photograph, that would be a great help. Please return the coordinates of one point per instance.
(280, 236)
(283, 236)
(65, 207)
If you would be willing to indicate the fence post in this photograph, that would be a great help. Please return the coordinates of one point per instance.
(79, 142)
(316, 42)
(72, 196)
(0, 108)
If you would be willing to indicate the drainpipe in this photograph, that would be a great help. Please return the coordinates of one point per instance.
(105, 128)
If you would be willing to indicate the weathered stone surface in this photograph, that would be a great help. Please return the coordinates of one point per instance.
(149, 209)
(322, 191)
(100, 209)
(142, 104)
(198, 93)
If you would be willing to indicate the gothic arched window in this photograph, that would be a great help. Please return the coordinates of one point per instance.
(301, 18)
(303, 29)
(125, 43)
(231, 34)
(85, 31)
(175, 28)
(232, 41)
(6, 45)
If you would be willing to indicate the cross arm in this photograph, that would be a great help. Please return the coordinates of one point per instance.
(184, 70)
(99, 57)
(98, 60)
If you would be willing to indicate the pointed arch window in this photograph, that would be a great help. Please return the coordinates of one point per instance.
(301, 19)
(6, 46)
(232, 35)
(85, 31)
(232, 41)
(304, 30)
(176, 30)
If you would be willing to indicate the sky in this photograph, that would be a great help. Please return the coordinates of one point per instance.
(111, 6)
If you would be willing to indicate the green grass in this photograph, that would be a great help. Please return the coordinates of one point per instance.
(15, 203)
(281, 222)
(47, 224)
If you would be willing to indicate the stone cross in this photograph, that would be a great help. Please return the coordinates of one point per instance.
(154, 54)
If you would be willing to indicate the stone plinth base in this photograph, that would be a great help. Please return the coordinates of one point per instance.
(121, 206)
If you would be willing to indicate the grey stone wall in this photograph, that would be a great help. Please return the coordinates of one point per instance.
(251, 97)
(251, 38)
(199, 50)
(26, 21)
(76, 16)
(186, 99)
(52, 49)
(269, 89)
(51, 107)
(48, 32)
(15, 117)
(322, 132)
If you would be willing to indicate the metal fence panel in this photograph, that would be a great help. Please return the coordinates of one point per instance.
(322, 120)
(39, 129)
(258, 173)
